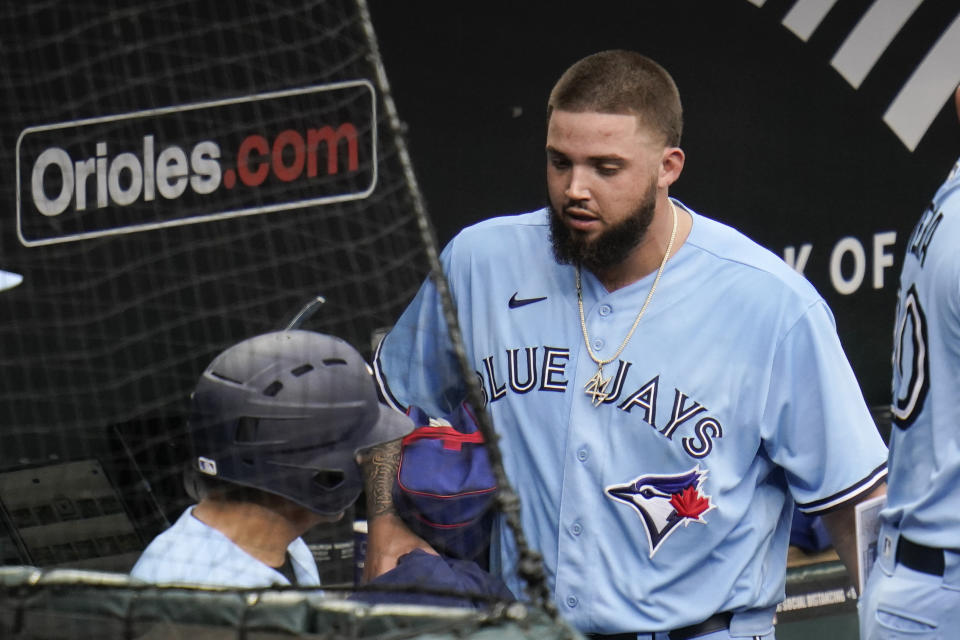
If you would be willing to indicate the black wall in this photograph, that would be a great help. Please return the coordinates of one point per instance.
(778, 143)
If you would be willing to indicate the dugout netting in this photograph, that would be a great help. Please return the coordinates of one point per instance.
(180, 176)
(70, 605)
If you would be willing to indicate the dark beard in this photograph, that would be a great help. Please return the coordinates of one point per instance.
(610, 248)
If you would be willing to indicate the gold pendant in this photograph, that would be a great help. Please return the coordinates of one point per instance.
(596, 387)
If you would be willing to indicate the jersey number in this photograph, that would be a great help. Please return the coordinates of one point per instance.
(911, 368)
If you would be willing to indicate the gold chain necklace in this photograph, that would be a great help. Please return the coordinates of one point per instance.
(596, 386)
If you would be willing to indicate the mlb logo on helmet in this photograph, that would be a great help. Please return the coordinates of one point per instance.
(664, 501)
(207, 466)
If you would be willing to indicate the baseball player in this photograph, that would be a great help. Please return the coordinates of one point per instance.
(277, 423)
(664, 389)
(914, 588)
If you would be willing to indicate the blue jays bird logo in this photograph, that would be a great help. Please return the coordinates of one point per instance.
(664, 501)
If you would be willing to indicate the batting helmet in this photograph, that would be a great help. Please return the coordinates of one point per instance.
(286, 413)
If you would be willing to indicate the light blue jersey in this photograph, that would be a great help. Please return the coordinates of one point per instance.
(192, 552)
(914, 588)
(670, 500)
(924, 494)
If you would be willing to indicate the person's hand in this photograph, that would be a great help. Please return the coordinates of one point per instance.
(388, 538)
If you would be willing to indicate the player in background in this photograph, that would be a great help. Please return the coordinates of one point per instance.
(914, 587)
(277, 425)
(664, 389)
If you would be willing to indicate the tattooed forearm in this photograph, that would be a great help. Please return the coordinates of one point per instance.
(380, 472)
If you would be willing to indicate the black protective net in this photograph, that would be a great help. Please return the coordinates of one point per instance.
(180, 176)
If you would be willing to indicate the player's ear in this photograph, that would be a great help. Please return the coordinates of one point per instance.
(671, 164)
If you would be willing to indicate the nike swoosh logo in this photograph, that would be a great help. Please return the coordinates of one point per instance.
(516, 302)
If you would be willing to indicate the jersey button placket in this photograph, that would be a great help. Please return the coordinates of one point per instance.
(597, 342)
(576, 552)
(575, 530)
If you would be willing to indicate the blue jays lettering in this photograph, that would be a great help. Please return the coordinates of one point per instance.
(543, 369)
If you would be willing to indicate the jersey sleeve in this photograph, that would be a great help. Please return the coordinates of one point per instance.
(416, 363)
(817, 426)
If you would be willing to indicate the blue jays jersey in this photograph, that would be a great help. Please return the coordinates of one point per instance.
(923, 498)
(668, 496)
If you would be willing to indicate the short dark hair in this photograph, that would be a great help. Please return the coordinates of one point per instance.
(622, 82)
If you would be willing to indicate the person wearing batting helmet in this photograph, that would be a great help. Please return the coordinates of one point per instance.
(277, 427)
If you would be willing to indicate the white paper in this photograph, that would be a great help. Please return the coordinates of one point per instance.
(867, 516)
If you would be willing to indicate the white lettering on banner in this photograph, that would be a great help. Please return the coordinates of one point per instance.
(52, 157)
(797, 262)
(851, 246)
(101, 175)
(130, 163)
(203, 159)
(882, 259)
(848, 261)
(139, 164)
(169, 174)
(172, 172)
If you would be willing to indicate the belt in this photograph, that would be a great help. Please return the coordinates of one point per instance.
(716, 622)
(919, 557)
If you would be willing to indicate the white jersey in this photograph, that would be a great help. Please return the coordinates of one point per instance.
(923, 499)
(671, 499)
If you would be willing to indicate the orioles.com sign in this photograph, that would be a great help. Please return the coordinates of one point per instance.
(186, 164)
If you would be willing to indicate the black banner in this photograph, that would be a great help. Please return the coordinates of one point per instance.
(208, 161)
